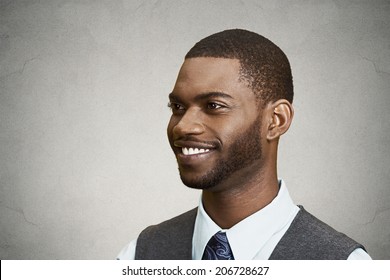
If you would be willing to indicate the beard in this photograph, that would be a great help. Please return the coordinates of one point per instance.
(244, 150)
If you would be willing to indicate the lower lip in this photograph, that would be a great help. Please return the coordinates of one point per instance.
(193, 159)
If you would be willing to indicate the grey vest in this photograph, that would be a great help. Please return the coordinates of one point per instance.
(307, 238)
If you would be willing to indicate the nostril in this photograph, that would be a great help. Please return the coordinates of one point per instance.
(189, 123)
(188, 127)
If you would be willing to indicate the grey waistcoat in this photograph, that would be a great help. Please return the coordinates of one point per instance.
(307, 238)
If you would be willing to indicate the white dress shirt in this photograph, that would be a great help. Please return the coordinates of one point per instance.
(253, 238)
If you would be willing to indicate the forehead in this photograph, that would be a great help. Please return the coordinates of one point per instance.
(204, 74)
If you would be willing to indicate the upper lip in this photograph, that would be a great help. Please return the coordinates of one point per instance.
(193, 144)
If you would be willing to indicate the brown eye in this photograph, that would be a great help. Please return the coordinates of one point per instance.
(213, 106)
(175, 107)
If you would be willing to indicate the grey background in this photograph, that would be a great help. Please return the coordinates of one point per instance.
(84, 159)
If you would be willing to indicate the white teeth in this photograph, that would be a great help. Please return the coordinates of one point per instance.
(193, 151)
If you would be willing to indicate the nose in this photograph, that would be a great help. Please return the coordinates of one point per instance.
(189, 124)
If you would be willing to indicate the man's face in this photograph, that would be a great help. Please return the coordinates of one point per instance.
(215, 127)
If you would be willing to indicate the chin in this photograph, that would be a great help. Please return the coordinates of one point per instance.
(192, 183)
(205, 182)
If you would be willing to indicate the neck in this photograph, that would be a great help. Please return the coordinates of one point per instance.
(233, 203)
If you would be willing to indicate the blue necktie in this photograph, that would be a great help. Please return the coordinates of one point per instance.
(218, 248)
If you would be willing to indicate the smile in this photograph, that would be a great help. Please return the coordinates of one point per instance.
(193, 151)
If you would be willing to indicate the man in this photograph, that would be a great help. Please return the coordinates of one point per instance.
(231, 102)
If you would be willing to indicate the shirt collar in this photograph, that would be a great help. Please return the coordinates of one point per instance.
(247, 237)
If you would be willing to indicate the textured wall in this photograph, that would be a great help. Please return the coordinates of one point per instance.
(84, 160)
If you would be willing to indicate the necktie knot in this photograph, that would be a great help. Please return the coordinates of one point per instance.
(218, 248)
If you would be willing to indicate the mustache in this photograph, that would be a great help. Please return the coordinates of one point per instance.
(190, 138)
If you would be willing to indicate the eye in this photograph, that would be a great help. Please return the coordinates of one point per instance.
(175, 107)
(213, 106)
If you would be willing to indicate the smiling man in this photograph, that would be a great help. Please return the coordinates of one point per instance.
(231, 103)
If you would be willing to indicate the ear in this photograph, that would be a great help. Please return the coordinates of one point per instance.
(281, 113)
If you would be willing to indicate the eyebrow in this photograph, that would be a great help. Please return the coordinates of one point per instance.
(202, 96)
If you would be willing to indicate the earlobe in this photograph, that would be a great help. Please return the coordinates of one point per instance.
(281, 115)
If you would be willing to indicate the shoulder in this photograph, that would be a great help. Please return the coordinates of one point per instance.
(316, 229)
(171, 225)
(169, 239)
(310, 238)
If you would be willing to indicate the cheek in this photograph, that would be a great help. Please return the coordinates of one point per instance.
(238, 130)
(228, 133)
(171, 125)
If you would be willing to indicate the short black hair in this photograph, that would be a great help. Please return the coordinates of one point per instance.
(264, 66)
